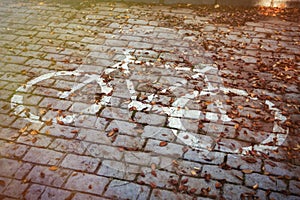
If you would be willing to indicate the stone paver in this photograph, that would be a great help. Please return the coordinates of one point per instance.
(181, 115)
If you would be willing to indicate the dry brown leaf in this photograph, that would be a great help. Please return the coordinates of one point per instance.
(75, 131)
(218, 185)
(153, 185)
(153, 173)
(2, 183)
(249, 159)
(163, 143)
(207, 177)
(184, 181)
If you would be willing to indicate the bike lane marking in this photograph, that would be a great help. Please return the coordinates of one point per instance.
(175, 112)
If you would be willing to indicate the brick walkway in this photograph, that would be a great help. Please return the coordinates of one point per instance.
(116, 101)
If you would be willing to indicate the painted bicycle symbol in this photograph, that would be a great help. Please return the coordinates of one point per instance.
(175, 112)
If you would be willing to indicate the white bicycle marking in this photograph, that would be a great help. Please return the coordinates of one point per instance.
(175, 112)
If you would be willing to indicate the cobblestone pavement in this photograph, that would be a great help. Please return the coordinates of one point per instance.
(117, 101)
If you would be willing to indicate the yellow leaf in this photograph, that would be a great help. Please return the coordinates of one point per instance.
(247, 171)
(193, 172)
(42, 111)
(22, 130)
(53, 168)
(34, 132)
(255, 186)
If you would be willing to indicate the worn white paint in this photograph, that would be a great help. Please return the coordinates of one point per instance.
(176, 111)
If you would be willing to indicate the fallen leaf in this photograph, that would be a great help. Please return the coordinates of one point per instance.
(2, 183)
(42, 175)
(184, 181)
(207, 177)
(193, 190)
(163, 143)
(111, 133)
(49, 122)
(247, 171)
(255, 186)
(75, 131)
(218, 185)
(34, 132)
(271, 163)
(53, 168)
(22, 130)
(153, 173)
(193, 172)
(42, 111)
(153, 185)
(34, 140)
(249, 159)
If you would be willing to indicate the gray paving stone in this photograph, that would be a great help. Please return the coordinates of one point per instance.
(237, 192)
(80, 196)
(265, 182)
(125, 127)
(60, 131)
(86, 183)
(141, 158)
(210, 157)
(279, 196)
(126, 190)
(103, 151)
(120, 170)
(9, 167)
(55, 103)
(11, 191)
(5, 182)
(237, 162)
(281, 169)
(45, 176)
(116, 113)
(294, 187)
(35, 140)
(158, 194)
(42, 156)
(171, 149)
(82, 163)
(71, 146)
(158, 178)
(6, 120)
(151, 119)
(34, 191)
(231, 176)
(23, 170)
(95, 136)
(129, 142)
(203, 187)
(12, 150)
(85, 121)
(54, 193)
(180, 167)
(159, 133)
